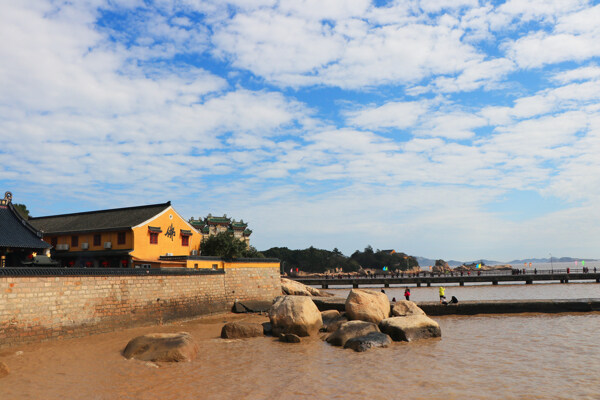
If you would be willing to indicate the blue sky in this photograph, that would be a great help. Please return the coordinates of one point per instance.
(455, 129)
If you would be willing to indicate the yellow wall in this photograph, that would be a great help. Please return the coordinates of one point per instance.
(89, 239)
(254, 264)
(146, 251)
(207, 264)
(220, 264)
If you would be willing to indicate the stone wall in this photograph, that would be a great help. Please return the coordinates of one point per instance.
(34, 309)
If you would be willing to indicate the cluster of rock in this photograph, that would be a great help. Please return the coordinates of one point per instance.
(441, 267)
(369, 321)
(473, 267)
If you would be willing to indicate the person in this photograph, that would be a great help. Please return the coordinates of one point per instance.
(407, 294)
(453, 300)
(393, 299)
(442, 292)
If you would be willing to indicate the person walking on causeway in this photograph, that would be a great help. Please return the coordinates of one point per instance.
(442, 294)
(407, 294)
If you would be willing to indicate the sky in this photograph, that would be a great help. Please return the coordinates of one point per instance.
(454, 129)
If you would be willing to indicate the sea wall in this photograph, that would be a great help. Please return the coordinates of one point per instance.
(485, 306)
(34, 309)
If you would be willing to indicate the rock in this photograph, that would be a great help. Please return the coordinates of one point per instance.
(329, 314)
(441, 267)
(293, 288)
(267, 328)
(335, 325)
(410, 328)
(370, 340)
(295, 314)
(240, 330)
(349, 330)
(289, 338)
(404, 308)
(332, 319)
(252, 306)
(3, 370)
(165, 347)
(367, 305)
(330, 303)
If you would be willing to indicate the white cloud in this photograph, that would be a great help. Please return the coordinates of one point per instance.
(452, 125)
(575, 37)
(398, 115)
(476, 74)
(578, 74)
(346, 50)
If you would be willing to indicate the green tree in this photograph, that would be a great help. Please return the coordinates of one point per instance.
(225, 245)
(22, 209)
(312, 259)
(379, 259)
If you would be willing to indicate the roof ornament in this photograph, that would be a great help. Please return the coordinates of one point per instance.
(8, 197)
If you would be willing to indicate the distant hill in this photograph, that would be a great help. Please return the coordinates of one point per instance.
(547, 260)
(424, 261)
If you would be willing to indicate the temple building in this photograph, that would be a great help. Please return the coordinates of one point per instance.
(144, 236)
(20, 242)
(213, 225)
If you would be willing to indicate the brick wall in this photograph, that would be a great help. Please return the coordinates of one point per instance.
(34, 309)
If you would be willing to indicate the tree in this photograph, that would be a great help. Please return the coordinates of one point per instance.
(312, 259)
(225, 245)
(22, 209)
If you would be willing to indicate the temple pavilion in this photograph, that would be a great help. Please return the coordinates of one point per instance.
(20, 242)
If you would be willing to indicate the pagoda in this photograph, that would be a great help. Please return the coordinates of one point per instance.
(213, 225)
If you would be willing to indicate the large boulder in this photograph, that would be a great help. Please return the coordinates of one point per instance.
(3, 370)
(349, 330)
(367, 305)
(295, 314)
(370, 340)
(410, 328)
(240, 330)
(404, 308)
(293, 288)
(165, 347)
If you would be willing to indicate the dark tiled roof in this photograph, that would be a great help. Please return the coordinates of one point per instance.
(94, 221)
(16, 232)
